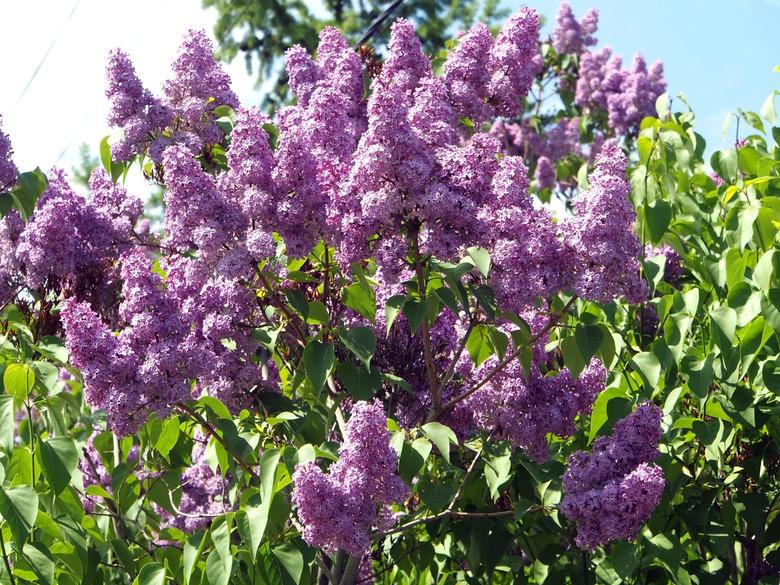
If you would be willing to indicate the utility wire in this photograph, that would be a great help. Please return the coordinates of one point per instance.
(46, 54)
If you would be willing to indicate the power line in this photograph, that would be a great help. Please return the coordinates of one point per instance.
(46, 54)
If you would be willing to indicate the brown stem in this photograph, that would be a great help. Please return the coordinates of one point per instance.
(554, 319)
(213, 432)
(426, 331)
(442, 515)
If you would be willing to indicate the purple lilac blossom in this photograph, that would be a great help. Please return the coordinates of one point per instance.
(573, 37)
(198, 87)
(525, 410)
(626, 96)
(11, 277)
(611, 491)
(339, 509)
(8, 170)
(514, 61)
(71, 245)
(132, 108)
(602, 234)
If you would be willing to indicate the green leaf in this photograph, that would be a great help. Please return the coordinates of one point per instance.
(193, 550)
(481, 258)
(291, 559)
(105, 154)
(648, 366)
(441, 436)
(724, 324)
(41, 562)
(415, 312)
(770, 309)
(361, 299)
(478, 344)
(58, 458)
(589, 339)
(658, 215)
(393, 309)
(318, 314)
(599, 414)
(318, 361)
(361, 342)
(572, 356)
(19, 380)
(7, 421)
(19, 507)
(151, 574)
(268, 463)
(217, 569)
(169, 435)
(498, 471)
(625, 558)
(361, 384)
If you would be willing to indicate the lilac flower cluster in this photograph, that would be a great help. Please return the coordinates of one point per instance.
(626, 96)
(148, 366)
(8, 170)
(570, 36)
(339, 509)
(11, 277)
(185, 115)
(601, 236)
(611, 491)
(203, 494)
(525, 409)
(70, 244)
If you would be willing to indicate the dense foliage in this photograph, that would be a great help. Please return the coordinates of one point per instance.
(487, 319)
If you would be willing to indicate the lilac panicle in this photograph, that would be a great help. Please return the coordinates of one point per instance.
(8, 170)
(573, 37)
(602, 234)
(199, 85)
(303, 73)
(611, 491)
(132, 108)
(339, 509)
(406, 63)
(514, 61)
(466, 76)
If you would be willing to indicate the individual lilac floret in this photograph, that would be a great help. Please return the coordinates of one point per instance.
(611, 491)
(8, 170)
(132, 108)
(572, 37)
(602, 234)
(199, 86)
(339, 509)
(514, 61)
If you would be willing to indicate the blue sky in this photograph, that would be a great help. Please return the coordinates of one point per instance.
(719, 53)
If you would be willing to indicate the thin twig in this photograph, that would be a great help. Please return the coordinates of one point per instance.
(213, 432)
(554, 319)
(5, 559)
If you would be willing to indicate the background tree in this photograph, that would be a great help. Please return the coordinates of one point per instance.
(263, 30)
